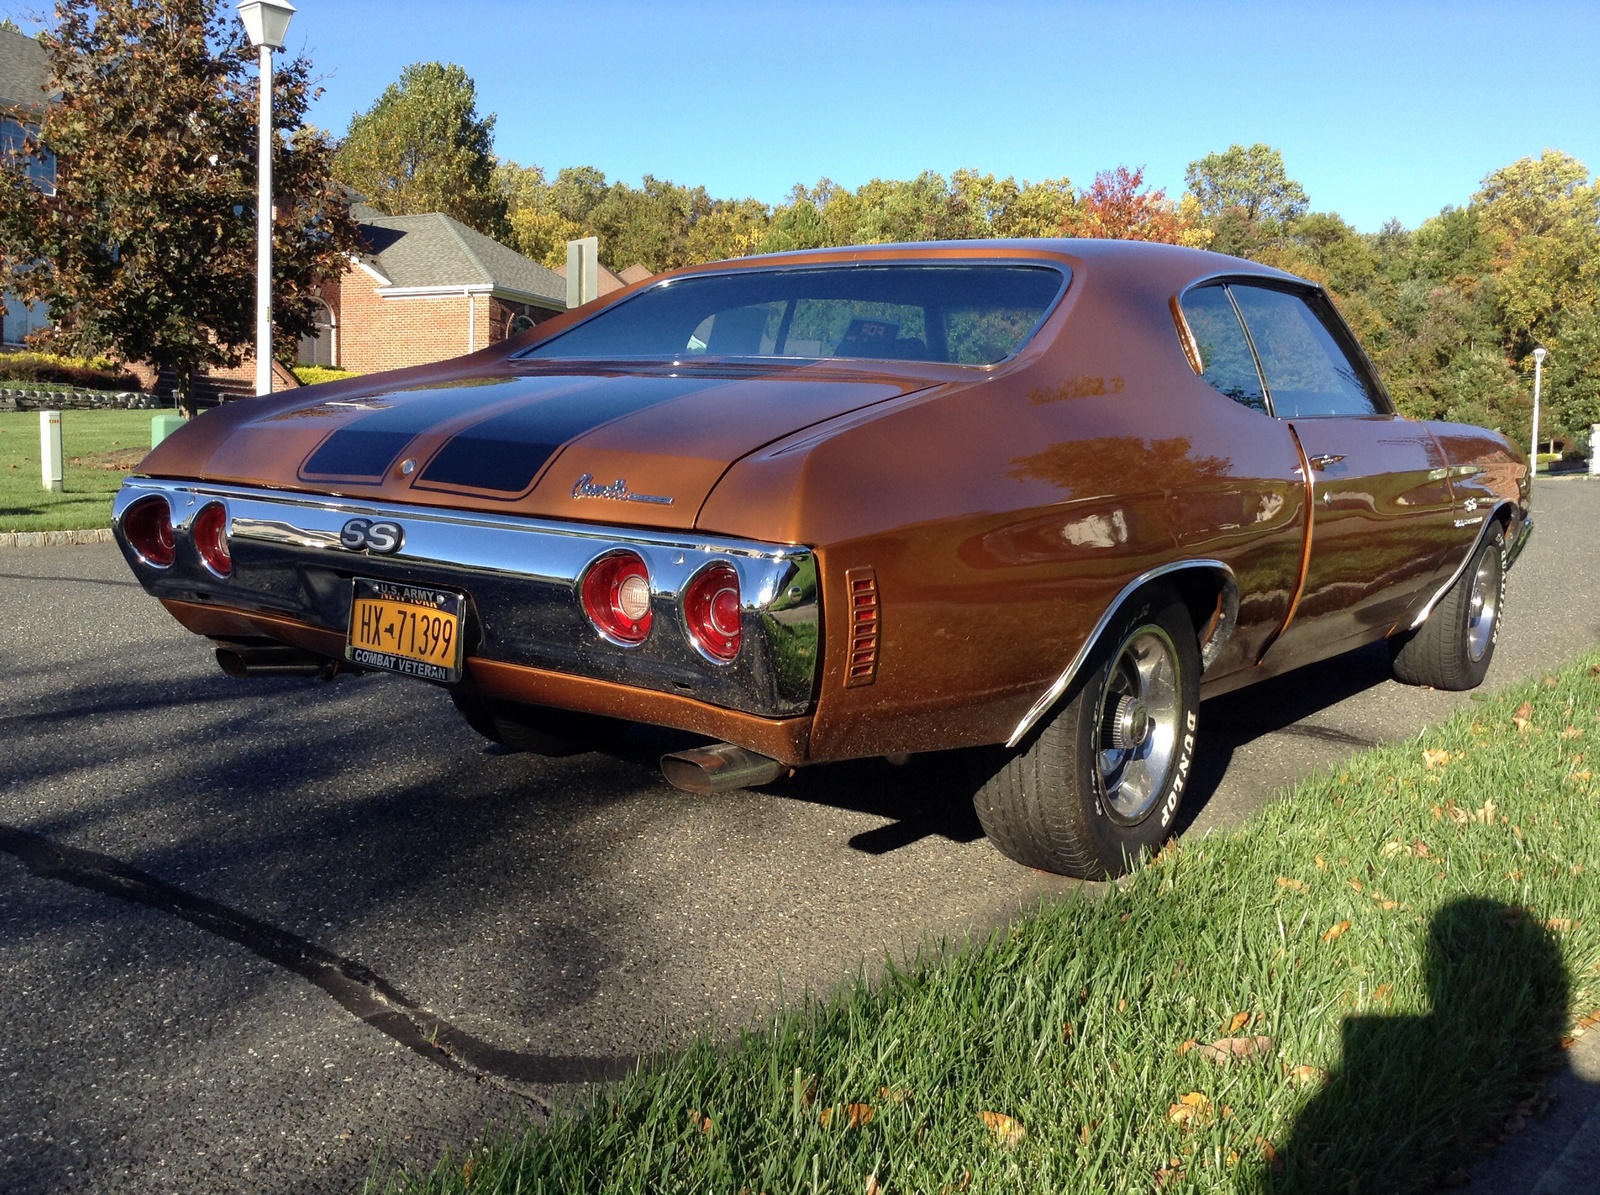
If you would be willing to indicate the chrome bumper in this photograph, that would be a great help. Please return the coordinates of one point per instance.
(521, 580)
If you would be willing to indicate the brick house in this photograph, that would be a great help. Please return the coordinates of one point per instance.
(427, 287)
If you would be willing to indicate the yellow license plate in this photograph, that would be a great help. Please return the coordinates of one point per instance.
(410, 629)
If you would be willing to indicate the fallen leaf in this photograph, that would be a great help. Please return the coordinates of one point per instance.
(1191, 1110)
(1514, 875)
(825, 1117)
(1389, 850)
(1185, 1046)
(1321, 864)
(872, 1185)
(1355, 884)
(702, 1123)
(1420, 850)
(1335, 931)
(1225, 1049)
(1066, 1030)
(1523, 718)
(1584, 775)
(1435, 759)
(1305, 1074)
(1233, 1157)
(893, 1095)
(1168, 1175)
(1270, 1154)
(1384, 991)
(1292, 884)
(468, 1171)
(1485, 815)
(1122, 1006)
(1238, 1021)
(1388, 905)
(1512, 916)
(1007, 1130)
(1561, 925)
(1572, 732)
(1550, 682)
(1086, 1133)
(807, 1088)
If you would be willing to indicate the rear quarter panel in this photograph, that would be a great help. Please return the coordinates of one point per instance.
(1003, 515)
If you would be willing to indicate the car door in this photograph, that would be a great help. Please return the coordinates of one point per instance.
(1378, 487)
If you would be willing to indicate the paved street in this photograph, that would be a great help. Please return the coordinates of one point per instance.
(233, 913)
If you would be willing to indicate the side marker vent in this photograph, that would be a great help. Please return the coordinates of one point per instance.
(862, 667)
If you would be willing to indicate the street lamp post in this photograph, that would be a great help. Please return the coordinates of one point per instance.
(1538, 376)
(267, 23)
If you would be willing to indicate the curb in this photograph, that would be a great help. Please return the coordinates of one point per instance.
(54, 539)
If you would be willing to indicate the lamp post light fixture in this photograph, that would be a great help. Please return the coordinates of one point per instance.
(1538, 376)
(267, 23)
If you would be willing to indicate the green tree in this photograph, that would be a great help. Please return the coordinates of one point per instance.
(147, 251)
(1253, 180)
(422, 147)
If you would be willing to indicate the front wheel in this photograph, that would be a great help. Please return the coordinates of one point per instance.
(1453, 648)
(1099, 783)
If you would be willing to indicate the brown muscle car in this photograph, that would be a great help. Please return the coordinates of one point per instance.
(1034, 499)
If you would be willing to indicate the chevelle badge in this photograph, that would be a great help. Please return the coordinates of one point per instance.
(587, 487)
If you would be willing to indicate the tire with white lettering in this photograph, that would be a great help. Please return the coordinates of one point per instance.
(1453, 648)
(1099, 782)
(537, 729)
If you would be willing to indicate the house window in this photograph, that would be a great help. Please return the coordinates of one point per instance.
(39, 166)
(321, 347)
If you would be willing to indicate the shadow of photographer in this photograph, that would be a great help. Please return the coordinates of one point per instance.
(1415, 1099)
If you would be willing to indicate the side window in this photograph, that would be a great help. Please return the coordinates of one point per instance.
(1224, 352)
(1307, 373)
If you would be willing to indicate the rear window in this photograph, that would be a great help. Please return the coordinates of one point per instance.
(963, 315)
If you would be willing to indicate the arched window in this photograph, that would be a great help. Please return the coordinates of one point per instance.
(322, 346)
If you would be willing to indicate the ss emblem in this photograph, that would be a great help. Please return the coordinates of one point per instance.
(380, 537)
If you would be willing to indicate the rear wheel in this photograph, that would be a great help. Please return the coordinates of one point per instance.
(1453, 648)
(537, 729)
(1099, 783)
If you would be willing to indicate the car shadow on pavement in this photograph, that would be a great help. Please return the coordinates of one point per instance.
(1414, 1099)
(1282, 704)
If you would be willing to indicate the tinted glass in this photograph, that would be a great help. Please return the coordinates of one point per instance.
(1307, 372)
(967, 315)
(1223, 349)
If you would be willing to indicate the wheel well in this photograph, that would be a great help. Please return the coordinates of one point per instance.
(1211, 596)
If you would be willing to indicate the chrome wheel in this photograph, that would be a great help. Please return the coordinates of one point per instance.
(1483, 605)
(1140, 708)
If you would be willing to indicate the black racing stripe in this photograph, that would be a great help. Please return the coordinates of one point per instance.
(365, 448)
(505, 452)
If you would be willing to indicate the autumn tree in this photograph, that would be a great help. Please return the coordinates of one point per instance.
(147, 250)
(422, 147)
(1254, 181)
(1118, 205)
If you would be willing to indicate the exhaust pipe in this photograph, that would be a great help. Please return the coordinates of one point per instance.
(719, 768)
(239, 660)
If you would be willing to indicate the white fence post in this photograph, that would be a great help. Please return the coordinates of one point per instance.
(50, 462)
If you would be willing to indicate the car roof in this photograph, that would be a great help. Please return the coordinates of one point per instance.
(1177, 264)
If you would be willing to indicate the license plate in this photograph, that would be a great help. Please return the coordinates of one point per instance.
(409, 629)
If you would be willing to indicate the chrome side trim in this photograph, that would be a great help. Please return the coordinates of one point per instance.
(1490, 521)
(1209, 650)
(521, 576)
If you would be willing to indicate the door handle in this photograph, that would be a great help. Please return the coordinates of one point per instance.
(1323, 459)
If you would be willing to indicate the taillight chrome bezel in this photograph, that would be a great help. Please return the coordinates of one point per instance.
(161, 550)
(600, 594)
(209, 532)
(705, 614)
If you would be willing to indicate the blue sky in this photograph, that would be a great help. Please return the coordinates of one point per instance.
(1380, 109)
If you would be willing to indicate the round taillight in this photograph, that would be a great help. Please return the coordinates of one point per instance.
(211, 538)
(148, 526)
(616, 597)
(711, 608)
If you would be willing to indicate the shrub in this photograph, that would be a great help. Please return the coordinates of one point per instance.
(95, 373)
(311, 375)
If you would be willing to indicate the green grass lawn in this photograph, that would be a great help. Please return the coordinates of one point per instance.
(101, 448)
(1360, 990)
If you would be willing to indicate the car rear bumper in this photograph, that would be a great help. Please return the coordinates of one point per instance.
(521, 578)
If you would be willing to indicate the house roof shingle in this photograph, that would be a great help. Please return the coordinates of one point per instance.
(434, 250)
(24, 71)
